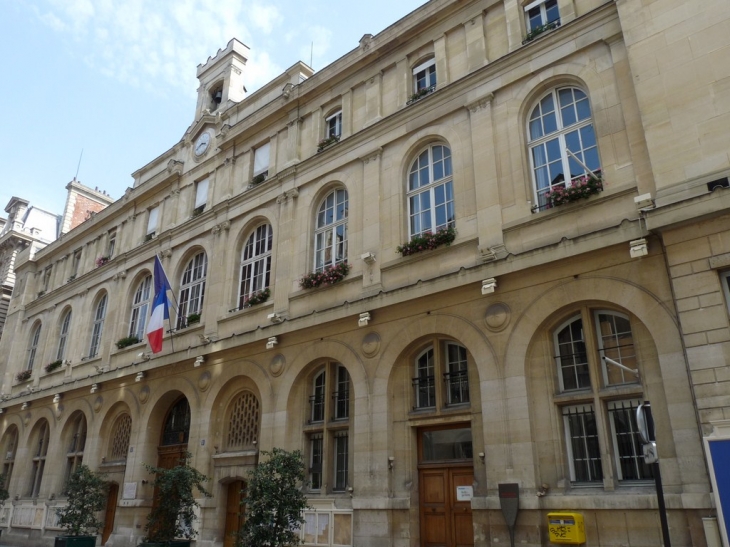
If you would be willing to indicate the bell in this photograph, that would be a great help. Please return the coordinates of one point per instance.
(218, 96)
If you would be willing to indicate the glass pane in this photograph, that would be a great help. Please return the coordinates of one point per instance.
(549, 123)
(582, 106)
(447, 444)
(438, 170)
(342, 529)
(535, 129)
(323, 529)
(539, 158)
(568, 114)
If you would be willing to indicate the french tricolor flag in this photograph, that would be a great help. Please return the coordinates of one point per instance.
(160, 308)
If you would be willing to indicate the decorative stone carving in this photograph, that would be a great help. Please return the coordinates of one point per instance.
(277, 364)
(58, 412)
(497, 316)
(480, 103)
(175, 166)
(371, 156)
(371, 344)
(144, 394)
(98, 403)
(286, 92)
(204, 381)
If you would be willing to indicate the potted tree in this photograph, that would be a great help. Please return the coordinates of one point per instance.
(86, 493)
(170, 523)
(274, 501)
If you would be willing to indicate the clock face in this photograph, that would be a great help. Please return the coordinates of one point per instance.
(202, 143)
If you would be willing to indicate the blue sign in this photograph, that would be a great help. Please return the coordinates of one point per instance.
(720, 454)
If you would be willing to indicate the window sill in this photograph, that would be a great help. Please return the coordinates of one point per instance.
(129, 348)
(542, 30)
(303, 293)
(428, 416)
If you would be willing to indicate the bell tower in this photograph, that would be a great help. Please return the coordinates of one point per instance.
(221, 79)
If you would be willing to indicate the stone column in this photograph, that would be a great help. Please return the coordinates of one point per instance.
(404, 82)
(442, 62)
(476, 49)
(346, 116)
(515, 23)
(371, 221)
(374, 99)
(286, 250)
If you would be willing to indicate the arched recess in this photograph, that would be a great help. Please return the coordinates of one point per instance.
(73, 443)
(116, 432)
(9, 450)
(38, 447)
(661, 328)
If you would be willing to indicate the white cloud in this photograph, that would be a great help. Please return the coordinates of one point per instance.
(157, 45)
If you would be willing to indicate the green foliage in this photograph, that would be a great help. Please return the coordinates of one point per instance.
(86, 492)
(174, 513)
(275, 502)
(193, 319)
(427, 241)
(4, 494)
(127, 341)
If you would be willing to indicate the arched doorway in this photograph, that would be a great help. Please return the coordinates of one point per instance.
(235, 512)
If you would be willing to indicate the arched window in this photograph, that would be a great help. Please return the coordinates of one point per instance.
(9, 448)
(39, 449)
(243, 422)
(447, 360)
(119, 442)
(430, 192)
(75, 442)
(192, 289)
(33, 346)
(255, 264)
(140, 308)
(177, 425)
(63, 335)
(98, 326)
(579, 371)
(329, 437)
(562, 142)
(330, 236)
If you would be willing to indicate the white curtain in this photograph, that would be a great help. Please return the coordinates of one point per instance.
(261, 159)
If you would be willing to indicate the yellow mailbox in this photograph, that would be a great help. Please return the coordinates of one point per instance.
(566, 528)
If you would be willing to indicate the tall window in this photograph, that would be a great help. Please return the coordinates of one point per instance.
(201, 196)
(261, 161)
(75, 442)
(424, 76)
(562, 141)
(541, 13)
(177, 424)
(111, 243)
(430, 191)
(585, 372)
(38, 458)
(47, 278)
(10, 447)
(121, 433)
(192, 289)
(98, 326)
(140, 308)
(153, 220)
(63, 332)
(255, 263)
(333, 125)
(75, 264)
(328, 427)
(446, 360)
(33, 346)
(330, 236)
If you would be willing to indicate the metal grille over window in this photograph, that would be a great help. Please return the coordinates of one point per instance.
(316, 400)
(243, 425)
(628, 450)
(120, 438)
(583, 448)
(341, 396)
(341, 460)
(457, 377)
(315, 461)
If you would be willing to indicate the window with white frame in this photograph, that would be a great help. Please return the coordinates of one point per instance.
(255, 264)
(153, 219)
(330, 236)
(562, 142)
(63, 333)
(431, 192)
(579, 370)
(98, 326)
(323, 527)
(333, 125)
(38, 457)
(140, 308)
(201, 196)
(541, 13)
(424, 76)
(327, 429)
(192, 289)
(261, 161)
(440, 359)
(33, 346)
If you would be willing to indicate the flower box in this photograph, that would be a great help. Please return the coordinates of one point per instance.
(24, 375)
(192, 319)
(427, 241)
(421, 94)
(259, 297)
(580, 188)
(537, 31)
(127, 341)
(329, 276)
(258, 179)
(324, 143)
(101, 261)
(55, 365)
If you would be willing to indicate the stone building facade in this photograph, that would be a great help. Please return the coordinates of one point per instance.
(385, 265)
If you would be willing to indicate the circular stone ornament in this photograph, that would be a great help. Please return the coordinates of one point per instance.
(204, 381)
(144, 394)
(371, 344)
(277, 364)
(497, 316)
(98, 403)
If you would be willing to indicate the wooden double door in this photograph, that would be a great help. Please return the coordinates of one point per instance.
(235, 512)
(446, 520)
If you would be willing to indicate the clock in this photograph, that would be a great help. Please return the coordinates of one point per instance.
(202, 143)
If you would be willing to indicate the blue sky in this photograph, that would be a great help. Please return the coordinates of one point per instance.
(116, 78)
